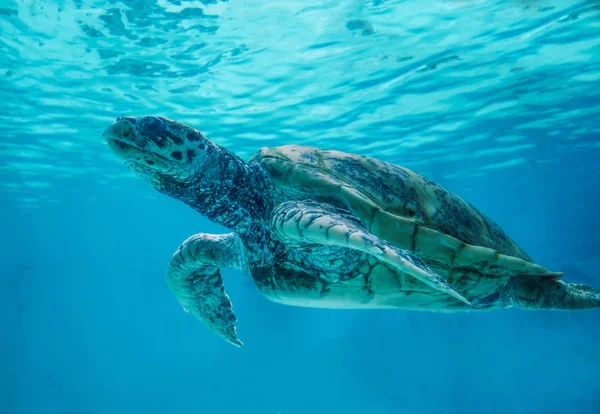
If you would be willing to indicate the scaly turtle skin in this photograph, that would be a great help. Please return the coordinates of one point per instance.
(329, 229)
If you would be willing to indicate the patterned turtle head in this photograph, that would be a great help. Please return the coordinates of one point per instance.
(167, 154)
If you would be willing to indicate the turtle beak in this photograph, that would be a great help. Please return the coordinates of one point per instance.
(132, 148)
(122, 138)
(123, 129)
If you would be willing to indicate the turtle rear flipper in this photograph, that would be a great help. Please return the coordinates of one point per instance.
(532, 292)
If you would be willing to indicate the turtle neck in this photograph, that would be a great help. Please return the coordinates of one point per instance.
(234, 194)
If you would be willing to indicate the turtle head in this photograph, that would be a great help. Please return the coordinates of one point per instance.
(167, 154)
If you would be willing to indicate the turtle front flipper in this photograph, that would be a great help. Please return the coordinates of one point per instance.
(320, 223)
(195, 278)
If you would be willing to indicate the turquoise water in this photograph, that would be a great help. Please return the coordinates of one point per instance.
(497, 101)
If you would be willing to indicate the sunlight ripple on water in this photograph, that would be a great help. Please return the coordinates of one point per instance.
(412, 82)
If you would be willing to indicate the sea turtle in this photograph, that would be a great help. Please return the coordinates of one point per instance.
(328, 229)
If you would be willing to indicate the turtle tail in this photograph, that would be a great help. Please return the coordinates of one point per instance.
(544, 293)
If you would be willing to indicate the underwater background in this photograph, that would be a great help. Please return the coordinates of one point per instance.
(498, 101)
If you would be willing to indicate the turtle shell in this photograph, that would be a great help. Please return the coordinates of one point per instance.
(405, 209)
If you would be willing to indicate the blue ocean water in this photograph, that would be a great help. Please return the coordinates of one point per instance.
(497, 101)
